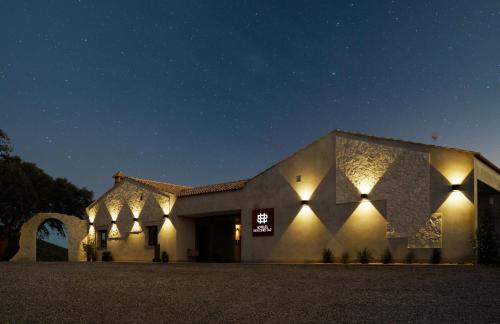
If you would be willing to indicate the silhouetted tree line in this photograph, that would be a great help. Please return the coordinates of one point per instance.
(26, 190)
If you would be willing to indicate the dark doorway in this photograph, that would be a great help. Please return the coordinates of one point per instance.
(217, 239)
(488, 224)
(52, 241)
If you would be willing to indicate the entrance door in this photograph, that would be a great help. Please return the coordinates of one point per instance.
(215, 239)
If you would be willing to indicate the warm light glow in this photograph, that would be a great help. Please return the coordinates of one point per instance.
(92, 212)
(167, 235)
(302, 233)
(305, 192)
(363, 163)
(237, 232)
(456, 197)
(305, 212)
(456, 177)
(365, 207)
(164, 202)
(136, 227)
(114, 232)
(91, 235)
(366, 186)
(114, 207)
(455, 168)
(365, 227)
(136, 203)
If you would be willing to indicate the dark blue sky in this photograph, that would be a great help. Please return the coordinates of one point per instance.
(203, 92)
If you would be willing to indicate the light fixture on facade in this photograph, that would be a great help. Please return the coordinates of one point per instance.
(298, 178)
(91, 224)
(304, 202)
(165, 216)
(455, 187)
(237, 232)
(364, 196)
(136, 219)
(113, 221)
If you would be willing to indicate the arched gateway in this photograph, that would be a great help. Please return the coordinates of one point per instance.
(77, 230)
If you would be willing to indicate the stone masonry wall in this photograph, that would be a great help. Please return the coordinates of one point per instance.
(397, 175)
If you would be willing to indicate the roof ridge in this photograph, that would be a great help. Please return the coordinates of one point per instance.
(213, 188)
(402, 141)
(218, 183)
(156, 181)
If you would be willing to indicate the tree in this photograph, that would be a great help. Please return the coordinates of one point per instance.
(25, 190)
(5, 146)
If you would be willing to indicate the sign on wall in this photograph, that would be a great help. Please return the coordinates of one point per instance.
(263, 222)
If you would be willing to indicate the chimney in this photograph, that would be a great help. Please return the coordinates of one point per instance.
(118, 176)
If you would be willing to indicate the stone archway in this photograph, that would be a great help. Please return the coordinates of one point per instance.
(77, 230)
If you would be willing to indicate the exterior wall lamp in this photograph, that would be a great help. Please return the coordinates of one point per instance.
(113, 222)
(165, 216)
(304, 202)
(136, 219)
(455, 187)
(364, 196)
(91, 223)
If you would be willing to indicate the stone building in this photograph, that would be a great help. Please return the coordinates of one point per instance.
(345, 191)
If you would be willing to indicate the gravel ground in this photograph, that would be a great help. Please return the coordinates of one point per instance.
(131, 292)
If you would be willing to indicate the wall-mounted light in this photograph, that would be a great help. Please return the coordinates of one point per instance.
(136, 219)
(165, 216)
(364, 196)
(113, 221)
(298, 178)
(304, 202)
(237, 232)
(455, 187)
(91, 223)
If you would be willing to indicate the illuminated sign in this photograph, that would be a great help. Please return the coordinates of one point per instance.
(263, 222)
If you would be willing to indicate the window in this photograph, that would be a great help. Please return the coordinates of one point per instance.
(152, 235)
(103, 238)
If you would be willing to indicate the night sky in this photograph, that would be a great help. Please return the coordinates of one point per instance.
(210, 91)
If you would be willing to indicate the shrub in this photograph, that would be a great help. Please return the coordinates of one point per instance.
(164, 256)
(387, 256)
(436, 256)
(106, 256)
(410, 257)
(89, 252)
(327, 256)
(364, 256)
(344, 258)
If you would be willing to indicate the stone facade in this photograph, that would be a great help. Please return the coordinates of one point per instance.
(316, 197)
(399, 176)
(132, 206)
(77, 230)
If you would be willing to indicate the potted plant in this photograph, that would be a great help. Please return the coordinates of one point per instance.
(410, 257)
(327, 256)
(89, 252)
(106, 256)
(345, 258)
(364, 256)
(387, 256)
(164, 257)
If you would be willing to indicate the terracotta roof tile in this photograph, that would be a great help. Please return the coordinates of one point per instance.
(186, 191)
(162, 186)
(219, 187)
